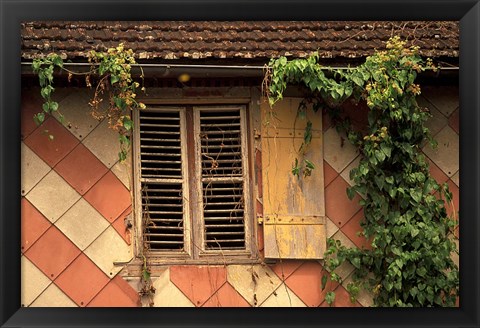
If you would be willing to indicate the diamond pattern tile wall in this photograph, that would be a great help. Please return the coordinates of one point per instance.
(76, 113)
(438, 121)
(446, 155)
(284, 269)
(109, 197)
(167, 294)
(338, 207)
(117, 293)
(33, 169)
(283, 297)
(337, 151)
(123, 171)
(82, 280)
(101, 142)
(82, 224)
(81, 169)
(53, 297)
(33, 224)
(226, 296)
(52, 196)
(198, 283)
(254, 282)
(52, 252)
(306, 283)
(108, 248)
(33, 281)
(51, 150)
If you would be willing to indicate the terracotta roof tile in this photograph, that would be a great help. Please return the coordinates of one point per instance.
(236, 39)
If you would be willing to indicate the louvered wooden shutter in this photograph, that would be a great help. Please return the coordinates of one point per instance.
(222, 171)
(294, 210)
(164, 196)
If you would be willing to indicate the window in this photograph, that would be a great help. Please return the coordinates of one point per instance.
(192, 182)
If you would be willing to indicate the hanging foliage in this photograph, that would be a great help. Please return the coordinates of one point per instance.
(113, 71)
(409, 261)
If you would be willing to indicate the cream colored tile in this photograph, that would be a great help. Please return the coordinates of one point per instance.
(33, 169)
(53, 297)
(336, 154)
(456, 178)
(82, 224)
(435, 123)
(331, 227)
(52, 196)
(444, 98)
(103, 142)
(283, 297)
(108, 248)
(123, 171)
(76, 111)
(446, 155)
(33, 281)
(253, 282)
(346, 172)
(167, 294)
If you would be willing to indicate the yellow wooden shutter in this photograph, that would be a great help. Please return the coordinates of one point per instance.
(294, 208)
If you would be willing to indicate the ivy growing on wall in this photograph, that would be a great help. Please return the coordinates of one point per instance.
(409, 261)
(113, 71)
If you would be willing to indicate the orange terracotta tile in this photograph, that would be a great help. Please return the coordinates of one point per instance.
(198, 283)
(117, 293)
(285, 268)
(34, 224)
(31, 105)
(454, 121)
(436, 173)
(51, 151)
(329, 174)
(121, 228)
(306, 283)
(82, 280)
(52, 252)
(226, 296)
(352, 227)
(81, 169)
(342, 299)
(126, 287)
(338, 207)
(109, 197)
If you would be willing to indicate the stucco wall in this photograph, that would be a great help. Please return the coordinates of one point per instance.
(76, 197)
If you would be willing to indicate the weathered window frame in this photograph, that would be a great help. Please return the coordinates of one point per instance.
(193, 254)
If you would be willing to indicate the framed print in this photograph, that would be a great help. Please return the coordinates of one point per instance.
(176, 164)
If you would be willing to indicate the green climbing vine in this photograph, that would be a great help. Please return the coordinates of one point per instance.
(113, 71)
(409, 261)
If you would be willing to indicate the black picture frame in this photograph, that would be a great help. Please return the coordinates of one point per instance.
(13, 12)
